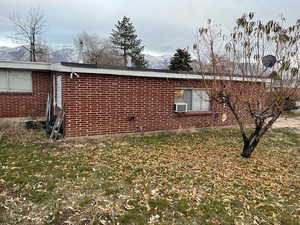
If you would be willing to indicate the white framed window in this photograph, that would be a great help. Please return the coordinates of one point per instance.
(196, 99)
(15, 81)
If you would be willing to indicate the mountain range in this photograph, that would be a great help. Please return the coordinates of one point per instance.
(68, 54)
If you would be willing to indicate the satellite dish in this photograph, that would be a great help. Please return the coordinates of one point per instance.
(269, 60)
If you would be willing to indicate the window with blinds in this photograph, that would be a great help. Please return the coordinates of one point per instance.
(196, 99)
(15, 81)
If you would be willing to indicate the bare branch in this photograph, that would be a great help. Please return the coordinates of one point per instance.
(240, 54)
(94, 50)
(29, 31)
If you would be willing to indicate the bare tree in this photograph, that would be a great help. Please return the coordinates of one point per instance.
(240, 54)
(92, 49)
(29, 32)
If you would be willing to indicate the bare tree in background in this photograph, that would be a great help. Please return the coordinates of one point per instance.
(29, 32)
(241, 54)
(93, 50)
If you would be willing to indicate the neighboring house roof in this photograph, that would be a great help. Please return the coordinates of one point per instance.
(122, 71)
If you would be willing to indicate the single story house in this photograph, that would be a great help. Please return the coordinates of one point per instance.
(101, 100)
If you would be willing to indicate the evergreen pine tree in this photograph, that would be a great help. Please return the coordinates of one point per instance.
(125, 40)
(181, 61)
(138, 58)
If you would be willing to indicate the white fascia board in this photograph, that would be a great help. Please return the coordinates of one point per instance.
(24, 65)
(151, 74)
(117, 72)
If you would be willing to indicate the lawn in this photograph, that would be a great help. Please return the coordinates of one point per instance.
(187, 178)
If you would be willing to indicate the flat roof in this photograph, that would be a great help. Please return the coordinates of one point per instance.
(24, 65)
(69, 67)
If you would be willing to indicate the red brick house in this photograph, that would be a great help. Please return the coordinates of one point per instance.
(23, 89)
(111, 100)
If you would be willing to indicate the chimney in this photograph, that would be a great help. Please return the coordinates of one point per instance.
(80, 56)
(129, 61)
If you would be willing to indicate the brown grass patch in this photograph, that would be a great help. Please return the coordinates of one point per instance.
(16, 133)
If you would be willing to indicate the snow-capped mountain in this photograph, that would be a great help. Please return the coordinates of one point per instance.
(68, 54)
(158, 62)
(12, 53)
(19, 53)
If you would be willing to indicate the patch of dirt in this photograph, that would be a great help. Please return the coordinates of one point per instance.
(287, 122)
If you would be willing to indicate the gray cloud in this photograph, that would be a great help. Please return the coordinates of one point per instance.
(163, 25)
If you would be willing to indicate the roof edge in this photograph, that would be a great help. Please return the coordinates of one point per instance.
(60, 67)
(24, 65)
(152, 73)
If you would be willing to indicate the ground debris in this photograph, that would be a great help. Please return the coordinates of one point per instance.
(160, 179)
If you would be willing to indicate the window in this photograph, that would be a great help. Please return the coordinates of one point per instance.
(15, 81)
(196, 99)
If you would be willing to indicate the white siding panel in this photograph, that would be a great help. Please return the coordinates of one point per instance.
(59, 91)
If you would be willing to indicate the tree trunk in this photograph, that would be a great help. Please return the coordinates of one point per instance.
(125, 60)
(247, 150)
(125, 57)
(249, 146)
(251, 142)
(30, 55)
(33, 54)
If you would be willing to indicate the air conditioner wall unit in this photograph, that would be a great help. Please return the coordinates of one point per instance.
(180, 107)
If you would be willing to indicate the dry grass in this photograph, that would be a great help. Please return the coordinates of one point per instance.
(16, 133)
(194, 178)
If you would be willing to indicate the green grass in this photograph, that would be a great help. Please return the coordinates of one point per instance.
(188, 178)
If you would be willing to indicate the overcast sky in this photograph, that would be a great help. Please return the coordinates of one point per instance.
(163, 25)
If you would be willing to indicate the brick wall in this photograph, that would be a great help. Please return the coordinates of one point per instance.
(20, 104)
(297, 94)
(100, 105)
